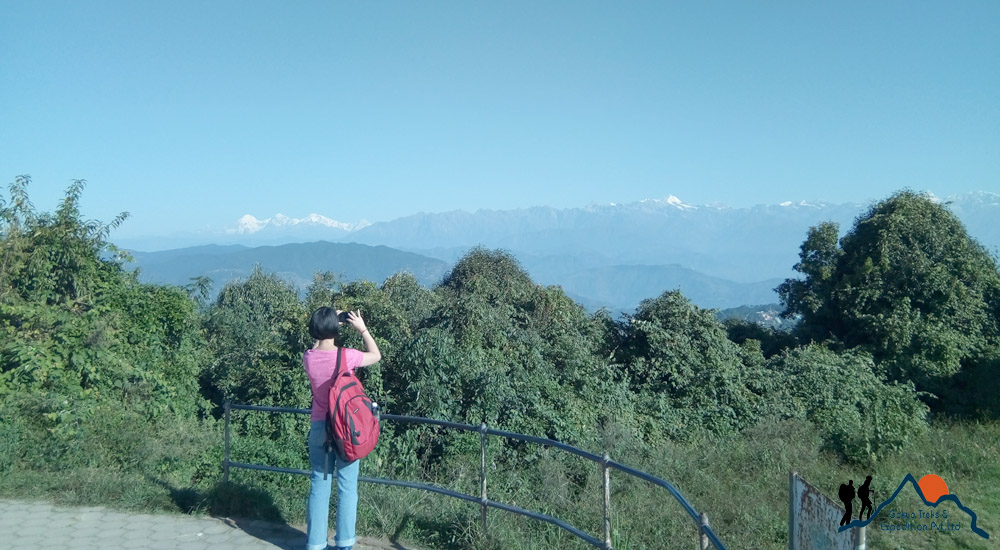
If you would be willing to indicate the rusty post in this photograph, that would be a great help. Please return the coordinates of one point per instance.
(607, 502)
(482, 472)
(225, 463)
(701, 532)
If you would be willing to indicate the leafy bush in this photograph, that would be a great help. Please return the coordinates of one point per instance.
(689, 378)
(77, 327)
(502, 350)
(256, 332)
(862, 416)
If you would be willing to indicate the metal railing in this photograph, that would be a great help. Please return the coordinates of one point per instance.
(706, 536)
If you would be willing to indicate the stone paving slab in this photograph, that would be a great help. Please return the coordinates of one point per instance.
(32, 525)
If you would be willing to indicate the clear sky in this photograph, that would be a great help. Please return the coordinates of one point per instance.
(190, 114)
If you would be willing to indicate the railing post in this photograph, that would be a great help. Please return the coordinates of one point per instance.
(482, 472)
(607, 501)
(225, 463)
(701, 531)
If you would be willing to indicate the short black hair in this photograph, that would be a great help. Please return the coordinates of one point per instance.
(324, 324)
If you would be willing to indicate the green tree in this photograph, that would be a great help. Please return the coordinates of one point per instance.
(809, 297)
(772, 341)
(414, 302)
(500, 349)
(907, 284)
(689, 377)
(199, 289)
(256, 334)
(321, 291)
(17, 217)
(55, 257)
(77, 329)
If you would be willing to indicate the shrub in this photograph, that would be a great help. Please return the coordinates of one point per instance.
(862, 416)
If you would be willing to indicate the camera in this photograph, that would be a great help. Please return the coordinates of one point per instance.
(342, 316)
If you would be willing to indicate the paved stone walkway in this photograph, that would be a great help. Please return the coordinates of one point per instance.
(36, 525)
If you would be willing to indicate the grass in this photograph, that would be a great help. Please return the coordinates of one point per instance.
(741, 482)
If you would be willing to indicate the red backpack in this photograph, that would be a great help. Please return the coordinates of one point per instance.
(352, 423)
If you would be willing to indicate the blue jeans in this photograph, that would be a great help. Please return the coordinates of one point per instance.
(318, 506)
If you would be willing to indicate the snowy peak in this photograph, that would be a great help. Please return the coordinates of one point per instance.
(669, 201)
(803, 204)
(248, 224)
(979, 198)
(674, 201)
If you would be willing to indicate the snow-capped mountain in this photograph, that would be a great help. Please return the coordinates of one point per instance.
(616, 254)
(281, 229)
(248, 224)
(740, 244)
(669, 201)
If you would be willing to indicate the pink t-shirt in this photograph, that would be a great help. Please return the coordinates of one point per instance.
(320, 364)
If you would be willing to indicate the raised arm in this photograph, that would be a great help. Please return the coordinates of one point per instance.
(371, 354)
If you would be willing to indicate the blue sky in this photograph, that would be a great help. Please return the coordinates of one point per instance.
(191, 114)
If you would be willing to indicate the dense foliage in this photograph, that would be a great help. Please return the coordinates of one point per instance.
(907, 285)
(78, 330)
(100, 371)
(688, 377)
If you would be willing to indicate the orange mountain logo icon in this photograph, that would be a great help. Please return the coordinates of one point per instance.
(931, 489)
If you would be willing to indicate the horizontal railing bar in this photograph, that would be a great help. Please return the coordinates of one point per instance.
(457, 425)
(657, 481)
(512, 435)
(439, 490)
(491, 503)
(550, 442)
(549, 519)
(492, 431)
(419, 420)
(422, 486)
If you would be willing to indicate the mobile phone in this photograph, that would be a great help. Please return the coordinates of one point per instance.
(342, 316)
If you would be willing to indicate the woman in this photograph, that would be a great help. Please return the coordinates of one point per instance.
(320, 363)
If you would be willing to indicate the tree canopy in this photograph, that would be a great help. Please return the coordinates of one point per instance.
(906, 284)
(77, 329)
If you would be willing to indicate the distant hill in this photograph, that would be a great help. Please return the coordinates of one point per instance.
(624, 286)
(739, 244)
(610, 255)
(743, 245)
(617, 288)
(296, 263)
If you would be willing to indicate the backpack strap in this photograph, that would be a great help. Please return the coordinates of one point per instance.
(328, 446)
(336, 372)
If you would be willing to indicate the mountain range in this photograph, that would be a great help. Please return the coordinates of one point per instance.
(297, 263)
(610, 255)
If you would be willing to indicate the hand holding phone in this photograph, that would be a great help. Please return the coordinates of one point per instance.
(354, 318)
